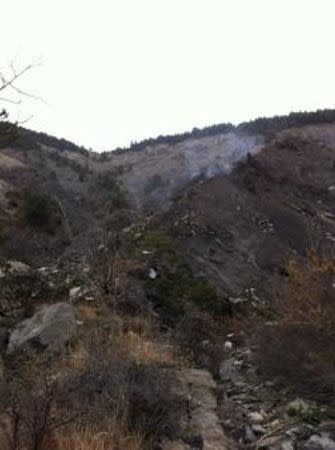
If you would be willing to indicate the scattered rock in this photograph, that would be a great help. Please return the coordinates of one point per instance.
(74, 292)
(228, 370)
(256, 417)
(152, 273)
(16, 267)
(328, 427)
(49, 329)
(258, 429)
(297, 406)
(228, 345)
(286, 445)
(269, 442)
(322, 442)
(249, 435)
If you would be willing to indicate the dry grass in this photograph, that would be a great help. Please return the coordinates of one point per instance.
(5, 436)
(146, 351)
(137, 339)
(115, 437)
(88, 313)
(308, 297)
(299, 347)
(9, 162)
(110, 384)
(74, 359)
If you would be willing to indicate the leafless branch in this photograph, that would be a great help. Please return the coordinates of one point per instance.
(6, 82)
(8, 100)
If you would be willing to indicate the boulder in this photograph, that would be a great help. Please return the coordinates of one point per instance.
(256, 417)
(298, 406)
(16, 267)
(286, 445)
(175, 445)
(74, 292)
(228, 370)
(201, 427)
(50, 329)
(322, 442)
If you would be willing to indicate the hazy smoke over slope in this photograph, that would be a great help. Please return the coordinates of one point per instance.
(219, 156)
(161, 170)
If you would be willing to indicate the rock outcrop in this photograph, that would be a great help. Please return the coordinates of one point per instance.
(49, 329)
(200, 424)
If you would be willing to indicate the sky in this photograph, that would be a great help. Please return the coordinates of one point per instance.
(109, 72)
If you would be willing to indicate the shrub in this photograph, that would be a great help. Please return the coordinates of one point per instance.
(123, 384)
(174, 289)
(157, 241)
(121, 389)
(115, 436)
(299, 347)
(116, 193)
(201, 337)
(36, 406)
(3, 236)
(107, 182)
(103, 259)
(119, 198)
(309, 295)
(154, 182)
(118, 220)
(176, 285)
(37, 210)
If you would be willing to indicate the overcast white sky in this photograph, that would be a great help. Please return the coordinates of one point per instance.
(120, 70)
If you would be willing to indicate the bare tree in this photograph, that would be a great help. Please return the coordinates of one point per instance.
(11, 94)
(37, 406)
(104, 261)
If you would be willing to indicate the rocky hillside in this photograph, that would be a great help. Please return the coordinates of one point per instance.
(176, 295)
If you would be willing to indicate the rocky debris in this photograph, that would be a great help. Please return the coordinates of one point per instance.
(228, 370)
(200, 424)
(175, 445)
(287, 445)
(228, 345)
(319, 442)
(152, 273)
(298, 407)
(265, 224)
(15, 268)
(48, 270)
(257, 416)
(49, 329)
(74, 293)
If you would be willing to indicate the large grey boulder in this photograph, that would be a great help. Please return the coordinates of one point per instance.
(50, 329)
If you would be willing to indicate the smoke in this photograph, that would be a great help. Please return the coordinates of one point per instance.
(178, 164)
(219, 154)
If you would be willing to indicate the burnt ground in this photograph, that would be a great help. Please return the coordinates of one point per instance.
(241, 230)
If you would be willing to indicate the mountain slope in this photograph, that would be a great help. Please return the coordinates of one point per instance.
(242, 229)
(193, 283)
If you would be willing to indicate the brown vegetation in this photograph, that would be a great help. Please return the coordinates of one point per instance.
(111, 390)
(299, 347)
